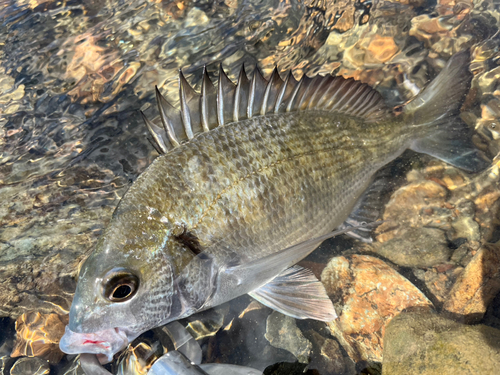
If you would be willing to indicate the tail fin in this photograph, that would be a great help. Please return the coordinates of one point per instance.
(437, 109)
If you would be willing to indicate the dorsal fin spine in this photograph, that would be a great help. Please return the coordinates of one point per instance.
(294, 94)
(165, 120)
(220, 98)
(251, 95)
(186, 116)
(162, 147)
(281, 94)
(203, 100)
(267, 92)
(304, 95)
(237, 93)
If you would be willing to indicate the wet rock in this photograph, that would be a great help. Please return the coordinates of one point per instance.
(327, 356)
(283, 333)
(367, 293)
(439, 280)
(435, 345)
(416, 204)
(30, 366)
(477, 286)
(242, 340)
(416, 247)
(38, 335)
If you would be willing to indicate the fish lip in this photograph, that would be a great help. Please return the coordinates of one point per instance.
(105, 344)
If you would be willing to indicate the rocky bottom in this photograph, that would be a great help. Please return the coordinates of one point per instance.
(423, 297)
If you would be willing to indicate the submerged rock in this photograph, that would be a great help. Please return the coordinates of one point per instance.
(38, 335)
(283, 333)
(477, 286)
(416, 247)
(430, 344)
(327, 356)
(367, 293)
(30, 366)
(417, 204)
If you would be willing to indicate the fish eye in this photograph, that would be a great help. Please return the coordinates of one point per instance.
(120, 285)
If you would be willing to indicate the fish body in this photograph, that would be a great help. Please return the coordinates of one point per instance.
(224, 211)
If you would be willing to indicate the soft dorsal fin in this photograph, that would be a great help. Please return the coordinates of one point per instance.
(257, 97)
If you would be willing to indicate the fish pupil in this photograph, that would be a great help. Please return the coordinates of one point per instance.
(123, 291)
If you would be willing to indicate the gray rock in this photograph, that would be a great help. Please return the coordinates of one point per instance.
(416, 247)
(426, 344)
(283, 333)
(30, 366)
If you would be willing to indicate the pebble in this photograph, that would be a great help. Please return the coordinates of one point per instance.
(367, 293)
(430, 344)
(477, 286)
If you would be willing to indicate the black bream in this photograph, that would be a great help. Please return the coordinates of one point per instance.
(247, 171)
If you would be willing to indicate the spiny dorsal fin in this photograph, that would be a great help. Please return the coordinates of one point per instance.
(241, 96)
(208, 103)
(258, 97)
(225, 98)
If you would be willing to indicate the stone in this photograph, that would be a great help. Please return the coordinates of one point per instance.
(416, 247)
(242, 341)
(382, 48)
(417, 204)
(367, 293)
(477, 286)
(38, 335)
(327, 356)
(439, 280)
(282, 332)
(430, 344)
(30, 366)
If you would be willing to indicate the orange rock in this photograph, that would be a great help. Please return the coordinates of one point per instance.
(367, 294)
(477, 285)
(38, 335)
(382, 48)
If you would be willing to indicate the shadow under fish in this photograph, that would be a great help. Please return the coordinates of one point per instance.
(250, 177)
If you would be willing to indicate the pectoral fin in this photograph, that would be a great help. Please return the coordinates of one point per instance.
(298, 293)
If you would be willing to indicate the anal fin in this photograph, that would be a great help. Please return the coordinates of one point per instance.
(296, 292)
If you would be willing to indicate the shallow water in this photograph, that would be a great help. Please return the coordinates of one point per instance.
(74, 75)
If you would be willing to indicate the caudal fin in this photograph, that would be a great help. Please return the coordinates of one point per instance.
(436, 110)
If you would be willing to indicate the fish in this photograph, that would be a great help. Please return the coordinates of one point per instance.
(249, 178)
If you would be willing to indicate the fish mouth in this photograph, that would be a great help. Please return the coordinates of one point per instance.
(105, 344)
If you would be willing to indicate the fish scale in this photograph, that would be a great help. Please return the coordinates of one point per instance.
(249, 178)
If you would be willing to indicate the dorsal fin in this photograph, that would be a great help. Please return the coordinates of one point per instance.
(241, 96)
(225, 98)
(208, 103)
(258, 97)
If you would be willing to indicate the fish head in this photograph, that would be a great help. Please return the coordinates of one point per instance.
(128, 285)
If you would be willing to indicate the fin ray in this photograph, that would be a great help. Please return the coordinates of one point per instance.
(296, 292)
